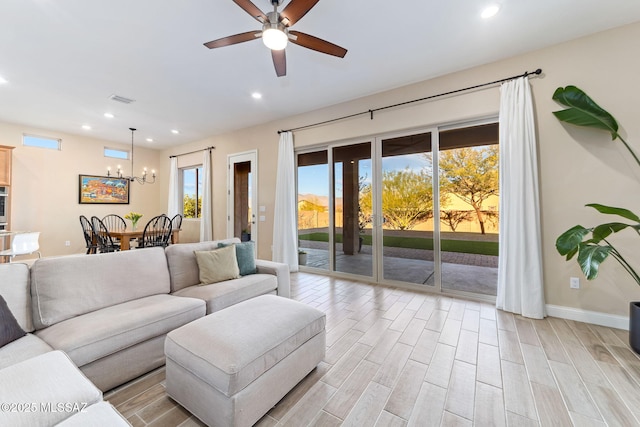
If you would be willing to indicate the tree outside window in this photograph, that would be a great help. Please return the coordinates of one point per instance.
(471, 174)
(192, 186)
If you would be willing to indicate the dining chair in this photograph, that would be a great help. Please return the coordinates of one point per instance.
(114, 222)
(157, 232)
(89, 235)
(105, 242)
(23, 244)
(176, 223)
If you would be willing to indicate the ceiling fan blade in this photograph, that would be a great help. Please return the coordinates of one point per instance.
(280, 62)
(314, 43)
(251, 9)
(296, 9)
(235, 39)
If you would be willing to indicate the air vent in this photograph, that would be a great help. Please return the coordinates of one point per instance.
(121, 99)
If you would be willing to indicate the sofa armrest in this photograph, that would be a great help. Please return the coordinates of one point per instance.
(281, 271)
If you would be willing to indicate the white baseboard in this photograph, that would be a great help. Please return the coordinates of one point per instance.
(594, 317)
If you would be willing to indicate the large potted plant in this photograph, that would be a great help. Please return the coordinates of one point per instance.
(593, 245)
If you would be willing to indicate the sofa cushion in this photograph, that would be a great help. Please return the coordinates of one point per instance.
(103, 332)
(65, 287)
(14, 287)
(217, 265)
(41, 383)
(183, 266)
(10, 330)
(224, 294)
(246, 257)
(98, 415)
(22, 349)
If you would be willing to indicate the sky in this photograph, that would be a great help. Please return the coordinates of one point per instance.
(189, 181)
(315, 179)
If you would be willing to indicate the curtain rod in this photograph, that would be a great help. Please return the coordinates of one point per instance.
(191, 152)
(370, 112)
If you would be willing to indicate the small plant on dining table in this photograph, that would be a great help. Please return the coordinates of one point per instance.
(134, 217)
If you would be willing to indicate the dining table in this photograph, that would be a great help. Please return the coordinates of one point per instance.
(125, 236)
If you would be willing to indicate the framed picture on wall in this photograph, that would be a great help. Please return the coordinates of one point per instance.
(103, 190)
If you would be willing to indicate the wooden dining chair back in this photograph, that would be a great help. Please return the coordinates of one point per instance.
(89, 236)
(104, 239)
(114, 222)
(157, 232)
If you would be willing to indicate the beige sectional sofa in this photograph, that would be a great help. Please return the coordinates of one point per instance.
(110, 313)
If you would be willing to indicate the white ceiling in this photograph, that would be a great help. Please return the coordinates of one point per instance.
(64, 58)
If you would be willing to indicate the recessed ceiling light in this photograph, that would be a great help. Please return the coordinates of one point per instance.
(490, 11)
(149, 139)
(256, 95)
(175, 131)
(109, 115)
(3, 80)
(86, 127)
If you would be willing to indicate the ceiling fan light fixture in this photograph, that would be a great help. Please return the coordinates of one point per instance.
(490, 11)
(274, 38)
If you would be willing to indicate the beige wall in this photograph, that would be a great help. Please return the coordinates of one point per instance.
(576, 166)
(45, 186)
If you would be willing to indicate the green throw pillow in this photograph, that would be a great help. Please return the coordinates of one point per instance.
(217, 265)
(245, 254)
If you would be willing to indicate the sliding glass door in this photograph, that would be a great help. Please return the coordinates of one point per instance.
(469, 217)
(351, 239)
(406, 209)
(419, 208)
(313, 209)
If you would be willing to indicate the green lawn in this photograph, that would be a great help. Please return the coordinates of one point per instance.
(464, 246)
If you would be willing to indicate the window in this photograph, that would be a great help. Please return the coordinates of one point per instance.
(116, 153)
(192, 186)
(41, 142)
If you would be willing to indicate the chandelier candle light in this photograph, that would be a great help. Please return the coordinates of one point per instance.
(139, 179)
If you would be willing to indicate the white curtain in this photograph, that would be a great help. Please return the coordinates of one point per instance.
(206, 225)
(285, 248)
(174, 207)
(520, 285)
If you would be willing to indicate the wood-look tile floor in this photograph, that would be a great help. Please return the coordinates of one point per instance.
(397, 357)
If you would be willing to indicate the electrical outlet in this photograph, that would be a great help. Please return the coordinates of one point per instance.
(574, 282)
(67, 243)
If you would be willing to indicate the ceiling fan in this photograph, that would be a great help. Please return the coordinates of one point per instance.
(275, 32)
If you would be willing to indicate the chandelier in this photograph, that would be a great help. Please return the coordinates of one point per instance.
(139, 179)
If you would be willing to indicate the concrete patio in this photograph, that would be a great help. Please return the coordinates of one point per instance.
(460, 271)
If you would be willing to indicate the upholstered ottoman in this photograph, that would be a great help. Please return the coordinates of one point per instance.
(230, 367)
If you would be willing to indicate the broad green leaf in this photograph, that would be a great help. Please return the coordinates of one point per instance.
(603, 231)
(569, 241)
(583, 111)
(590, 257)
(610, 210)
(572, 253)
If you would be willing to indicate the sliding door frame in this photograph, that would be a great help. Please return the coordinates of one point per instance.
(377, 217)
